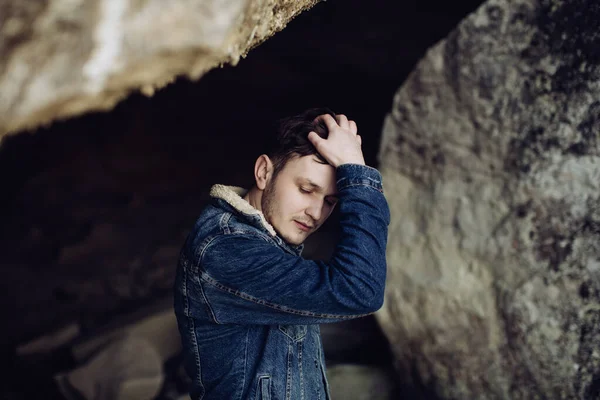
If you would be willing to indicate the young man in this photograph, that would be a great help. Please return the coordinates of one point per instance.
(248, 306)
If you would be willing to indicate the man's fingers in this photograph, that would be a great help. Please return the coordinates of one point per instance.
(342, 121)
(359, 139)
(329, 121)
(315, 139)
(353, 127)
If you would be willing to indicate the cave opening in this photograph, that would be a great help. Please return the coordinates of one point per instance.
(95, 208)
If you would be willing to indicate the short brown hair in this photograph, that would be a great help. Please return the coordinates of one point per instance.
(291, 138)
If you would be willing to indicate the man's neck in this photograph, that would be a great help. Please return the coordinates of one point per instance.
(254, 197)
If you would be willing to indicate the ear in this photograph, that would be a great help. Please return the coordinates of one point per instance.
(263, 170)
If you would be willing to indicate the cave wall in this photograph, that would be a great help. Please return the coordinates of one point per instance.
(491, 160)
(94, 208)
(62, 58)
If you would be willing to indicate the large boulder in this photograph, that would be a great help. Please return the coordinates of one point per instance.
(491, 160)
(59, 58)
(128, 368)
(360, 382)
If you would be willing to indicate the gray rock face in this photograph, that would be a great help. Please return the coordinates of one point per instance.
(360, 382)
(60, 58)
(129, 368)
(491, 159)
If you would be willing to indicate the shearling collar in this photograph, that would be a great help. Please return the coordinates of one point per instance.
(232, 195)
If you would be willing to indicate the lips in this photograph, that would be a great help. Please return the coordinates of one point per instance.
(303, 226)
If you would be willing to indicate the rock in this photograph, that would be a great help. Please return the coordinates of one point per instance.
(360, 382)
(127, 369)
(155, 324)
(50, 341)
(491, 162)
(61, 58)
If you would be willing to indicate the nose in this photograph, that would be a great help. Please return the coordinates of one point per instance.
(315, 210)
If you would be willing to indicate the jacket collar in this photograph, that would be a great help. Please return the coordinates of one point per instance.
(233, 196)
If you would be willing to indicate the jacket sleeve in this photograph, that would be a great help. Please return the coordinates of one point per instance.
(248, 280)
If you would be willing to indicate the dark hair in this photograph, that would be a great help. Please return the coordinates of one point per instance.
(291, 139)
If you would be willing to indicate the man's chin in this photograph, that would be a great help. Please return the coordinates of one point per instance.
(295, 240)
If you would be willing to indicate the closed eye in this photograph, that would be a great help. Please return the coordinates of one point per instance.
(303, 190)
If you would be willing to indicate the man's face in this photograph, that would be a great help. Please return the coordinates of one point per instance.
(300, 198)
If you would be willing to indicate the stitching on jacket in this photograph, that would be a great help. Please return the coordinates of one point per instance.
(208, 279)
(288, 374)
(204, 247)
(187, 264)
(245, 364)
(377, 182)
(224, 222)
(210, 309)
(196, 355)
(364, 185)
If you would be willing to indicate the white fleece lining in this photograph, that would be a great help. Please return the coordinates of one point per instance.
(233, 196)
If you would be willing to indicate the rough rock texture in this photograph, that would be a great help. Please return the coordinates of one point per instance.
(360, 382)
(491, 159)
(135, 178)
(127, 368)
(60, 58)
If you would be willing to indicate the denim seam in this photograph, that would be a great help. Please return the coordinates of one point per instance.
(201, 248)
(274, 240)
(224, 222)
(246, 232)
(245, 364)
(293, 339)
(269, 239)
(186, 308)
(207, 244)
(323, 371)
(288, 378)
(208, 306)
(377, 182)
(204, 296)
(300, 370)
(208, 279)
(196, 354)
(379, 189)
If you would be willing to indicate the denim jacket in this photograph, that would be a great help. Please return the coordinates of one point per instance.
(248, 306)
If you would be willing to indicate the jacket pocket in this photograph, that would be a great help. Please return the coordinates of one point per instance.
(263, 391)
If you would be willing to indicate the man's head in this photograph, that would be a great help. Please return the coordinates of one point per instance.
(295, 187)
(291, 138)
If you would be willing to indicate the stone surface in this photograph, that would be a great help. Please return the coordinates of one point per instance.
(155, 325)
(50, 341)
(126, 369)
(60, 58)
(491, 162)
(360, 382)
(144, 169)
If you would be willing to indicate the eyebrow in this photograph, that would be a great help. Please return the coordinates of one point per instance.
(311, 183)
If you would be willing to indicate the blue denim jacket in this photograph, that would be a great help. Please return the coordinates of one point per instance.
(248, 306)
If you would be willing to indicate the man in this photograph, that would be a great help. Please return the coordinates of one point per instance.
(248, 306)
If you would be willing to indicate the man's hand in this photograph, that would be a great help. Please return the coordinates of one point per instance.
(342, 146)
